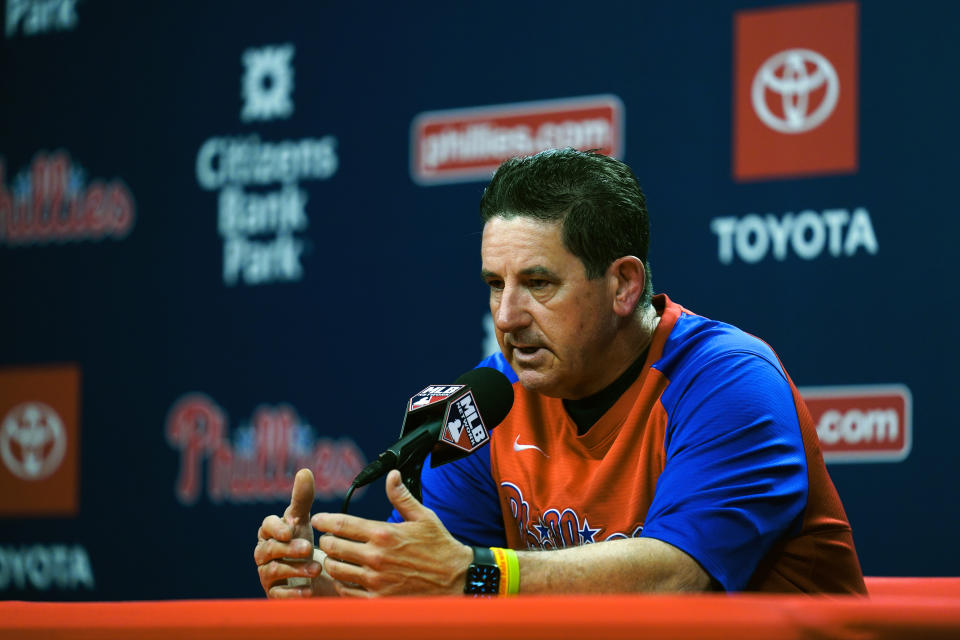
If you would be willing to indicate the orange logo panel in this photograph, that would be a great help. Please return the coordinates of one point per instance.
(795, 91)
(39, 440)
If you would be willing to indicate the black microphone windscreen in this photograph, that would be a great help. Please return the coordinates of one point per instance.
(492, 392)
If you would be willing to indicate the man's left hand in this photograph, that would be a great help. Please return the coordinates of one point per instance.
(370, 558)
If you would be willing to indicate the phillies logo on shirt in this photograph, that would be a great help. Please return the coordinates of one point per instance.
(39, 440)
(871, 423)
(556, 528)
(795, 91)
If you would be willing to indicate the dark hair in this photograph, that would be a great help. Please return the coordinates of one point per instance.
(596, 199)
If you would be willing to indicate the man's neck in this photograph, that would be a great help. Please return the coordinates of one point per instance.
(586, 411)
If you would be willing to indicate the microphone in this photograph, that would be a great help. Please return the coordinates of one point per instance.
(450, 420)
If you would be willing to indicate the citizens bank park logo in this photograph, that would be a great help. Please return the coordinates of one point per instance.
(871, 423)
(268, 83)
(261, 209)
(257, 462)
(795, 91)
(52, 201)
(462, 145)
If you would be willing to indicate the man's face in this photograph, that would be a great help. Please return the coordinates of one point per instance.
(555, 327)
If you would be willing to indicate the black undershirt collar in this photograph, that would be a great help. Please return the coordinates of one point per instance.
(586, 411)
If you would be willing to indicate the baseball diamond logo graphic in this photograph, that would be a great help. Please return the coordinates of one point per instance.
(267, 83)
(32, 441)
(806, 84)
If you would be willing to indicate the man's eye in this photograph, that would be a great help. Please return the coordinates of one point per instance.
(495, 284)
(538, 284)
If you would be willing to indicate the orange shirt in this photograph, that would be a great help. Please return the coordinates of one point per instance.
(711, 449)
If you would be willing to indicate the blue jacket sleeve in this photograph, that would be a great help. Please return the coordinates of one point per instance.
(735, 476)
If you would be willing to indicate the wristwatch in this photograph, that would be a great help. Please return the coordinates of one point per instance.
(483, 575)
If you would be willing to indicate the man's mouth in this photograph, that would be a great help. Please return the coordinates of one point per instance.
(523, 349)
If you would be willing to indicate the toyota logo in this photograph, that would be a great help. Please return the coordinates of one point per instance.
(795, 75)
(32, 441)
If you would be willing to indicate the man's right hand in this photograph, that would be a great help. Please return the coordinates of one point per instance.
(285, 547)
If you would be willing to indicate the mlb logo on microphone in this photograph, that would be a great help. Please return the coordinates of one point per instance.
(432, 395)
(463, 426)
(795, 91)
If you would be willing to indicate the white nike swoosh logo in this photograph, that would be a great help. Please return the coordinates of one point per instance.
(523, 447)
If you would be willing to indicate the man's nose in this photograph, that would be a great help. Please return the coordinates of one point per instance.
(511, 312)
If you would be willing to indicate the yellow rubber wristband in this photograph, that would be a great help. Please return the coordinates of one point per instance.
(509, 571)
(501, 559)
(513, 572)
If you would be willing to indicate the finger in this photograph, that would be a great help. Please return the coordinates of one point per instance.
(344, 572)
(344, 526)
(273, 527)
(278, 573)
(348, 591)
(301, 498)
(270, 550)
(403, 501)
(280, 591)
(357, 553)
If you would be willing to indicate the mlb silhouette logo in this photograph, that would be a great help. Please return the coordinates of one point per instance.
(796, 93)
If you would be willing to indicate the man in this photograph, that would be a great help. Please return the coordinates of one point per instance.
(648, 449)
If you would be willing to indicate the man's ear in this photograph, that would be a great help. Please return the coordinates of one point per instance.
(629, 277)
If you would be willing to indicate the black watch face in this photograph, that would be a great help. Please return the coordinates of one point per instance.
(483, 579)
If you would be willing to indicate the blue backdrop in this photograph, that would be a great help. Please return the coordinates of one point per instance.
(216, 247)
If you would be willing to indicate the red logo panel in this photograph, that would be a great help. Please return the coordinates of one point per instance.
(469, 144)
(795, 94)
(39, 440)
(862, 423)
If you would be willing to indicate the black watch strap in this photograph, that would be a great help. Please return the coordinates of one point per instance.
(483, 575)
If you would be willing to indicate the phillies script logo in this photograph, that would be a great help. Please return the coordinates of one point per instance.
(53, 202)
(862, 423)
(259, 462)
(556, 528)
(461, 145)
